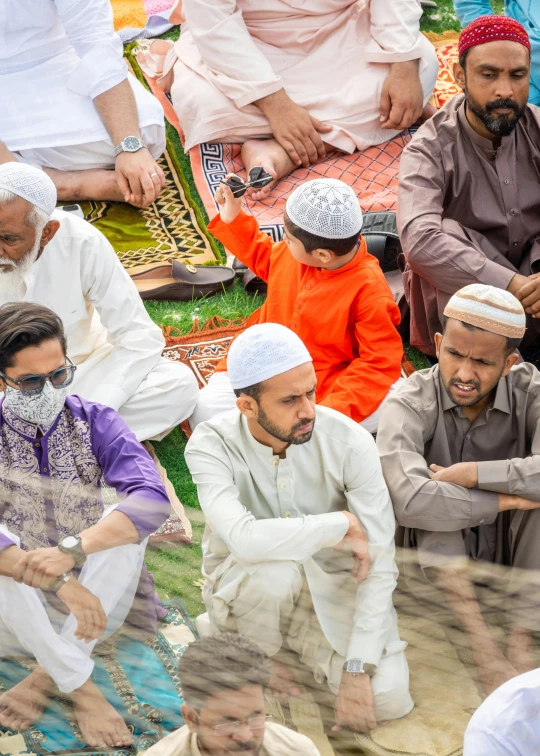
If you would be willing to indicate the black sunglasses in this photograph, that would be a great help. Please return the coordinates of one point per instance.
(258, 178)
(34, 384)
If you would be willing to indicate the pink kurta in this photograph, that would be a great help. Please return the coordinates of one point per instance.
(330, 56)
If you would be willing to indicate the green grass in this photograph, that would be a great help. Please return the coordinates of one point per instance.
(443, 18)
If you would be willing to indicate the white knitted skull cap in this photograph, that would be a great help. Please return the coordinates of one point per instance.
(494, 310)
(263, 351)
(30, 183)
(325, 207)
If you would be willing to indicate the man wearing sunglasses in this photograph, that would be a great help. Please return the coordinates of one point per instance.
(65, 263)
(224, 678)
(69, 574)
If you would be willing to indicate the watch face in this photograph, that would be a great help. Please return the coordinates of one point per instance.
(69, 542)
(355, 666)
(131, 144)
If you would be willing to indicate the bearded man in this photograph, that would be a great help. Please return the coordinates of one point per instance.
(469, 186)
(299, 540)
(61, 261)
(460, 452)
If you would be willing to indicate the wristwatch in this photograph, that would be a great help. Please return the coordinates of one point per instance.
(129, 144)
(358, 667)
(58, 582)
(72, 545)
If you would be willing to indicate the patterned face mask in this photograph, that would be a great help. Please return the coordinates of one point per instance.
(41, 409)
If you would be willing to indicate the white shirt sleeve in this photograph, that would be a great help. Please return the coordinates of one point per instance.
(369, 500)
(89, 27)
(395, 31)
(137, 341)
(248, 539)
(235, 64)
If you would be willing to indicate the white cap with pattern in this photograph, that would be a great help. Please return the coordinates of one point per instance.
(494, 310)
(325, 207)
(263, 351)
(30, 183)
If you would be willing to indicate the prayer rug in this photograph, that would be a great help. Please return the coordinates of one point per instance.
(139, 679)
(447, 53)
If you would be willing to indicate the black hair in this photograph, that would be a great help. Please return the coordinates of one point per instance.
(462, 60)
(511, 344)
(254, 391)
(24, 324)
(311, 241)
(224, 662)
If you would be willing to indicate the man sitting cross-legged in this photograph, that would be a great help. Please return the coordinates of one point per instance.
(460, 449)
(69, 105)
(325, 286)
(299, 543)
(224, 679)
(63, 262)
(54, 451)
(469, 185)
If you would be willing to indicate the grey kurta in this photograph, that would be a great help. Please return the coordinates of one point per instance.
(421, 425)
(466, 213)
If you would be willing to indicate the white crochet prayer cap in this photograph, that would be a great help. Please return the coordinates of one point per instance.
(487, 307)
(29, 183)
(325, 207)
(263, 351)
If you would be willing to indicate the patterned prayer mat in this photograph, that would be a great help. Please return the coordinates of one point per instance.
(139, 679)
(447, 53)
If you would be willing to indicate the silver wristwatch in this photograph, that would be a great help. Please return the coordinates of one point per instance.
(129, 144)
(358, 667)
(72, 545)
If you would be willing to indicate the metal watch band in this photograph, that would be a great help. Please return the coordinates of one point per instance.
(60, 581)
(124, 148)
(358, 667)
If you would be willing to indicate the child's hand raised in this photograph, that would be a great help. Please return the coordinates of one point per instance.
(229, 205)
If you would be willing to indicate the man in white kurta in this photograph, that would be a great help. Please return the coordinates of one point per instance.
(277, 503)
(349, 73)
(68, 265)
(68, 101)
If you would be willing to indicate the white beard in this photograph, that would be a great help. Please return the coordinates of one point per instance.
(12, 282)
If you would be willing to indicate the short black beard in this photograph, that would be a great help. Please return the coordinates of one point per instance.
(498, 125)
(282, 435)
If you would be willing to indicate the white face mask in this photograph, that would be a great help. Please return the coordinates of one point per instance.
(41, 409)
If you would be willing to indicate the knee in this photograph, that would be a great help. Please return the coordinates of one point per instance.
(391, 696)
(279, 582)
(430, 71)
(155, 138)
(181, 388)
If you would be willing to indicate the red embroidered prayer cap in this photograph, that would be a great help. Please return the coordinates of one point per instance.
(490, 29)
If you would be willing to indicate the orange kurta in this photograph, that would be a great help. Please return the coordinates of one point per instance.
(345, 317)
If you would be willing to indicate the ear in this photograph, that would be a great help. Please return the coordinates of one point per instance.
(49, 232)
(247, 406)
(438, 342)
(190, 717)
(511, 360)
(459, 76)
(324, 256)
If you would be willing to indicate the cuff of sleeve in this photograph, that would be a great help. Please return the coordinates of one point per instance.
(109, 395)
(368, 646)
(147, 511)
(494, 274)
(6, 542)
(484, 507)
(99, 70)
(335, 526)
(493, 476)
(261, 91)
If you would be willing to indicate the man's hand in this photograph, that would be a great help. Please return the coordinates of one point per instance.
(527, 290)
(87, 609)
(402, 96)
(139, 177)
(229, 205)
(294, 128)
(509, 501)
(355, 539)
(462, 474)
(354, 704)
(38, 568)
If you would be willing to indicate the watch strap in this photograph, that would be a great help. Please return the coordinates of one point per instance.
(358, 667)
(120, 147)
(58, 582)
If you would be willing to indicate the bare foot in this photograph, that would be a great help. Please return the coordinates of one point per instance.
(492, 667)
(94, 184)
(269, 154)
(23, 705)
(518, 651)
(100, 724)
(282, 683)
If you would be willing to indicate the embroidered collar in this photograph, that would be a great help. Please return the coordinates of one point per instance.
(30, 430)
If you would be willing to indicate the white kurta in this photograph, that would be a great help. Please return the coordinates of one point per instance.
(330, 56)
(111, 338)
(55, 57)
(261, 509)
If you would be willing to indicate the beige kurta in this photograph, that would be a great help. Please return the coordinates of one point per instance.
(278, 741)
(466, 213)
(330, 56)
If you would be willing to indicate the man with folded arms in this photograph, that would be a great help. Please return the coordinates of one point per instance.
(460, 452)
(63, 262)
(68, 573)
(299, 540)
(469, 185)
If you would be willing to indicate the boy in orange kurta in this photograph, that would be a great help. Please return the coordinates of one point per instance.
(322, 284)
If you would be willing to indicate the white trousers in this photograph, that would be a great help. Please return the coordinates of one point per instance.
(30, 626)
(271, 605)
(80, 157)
(218, 397)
